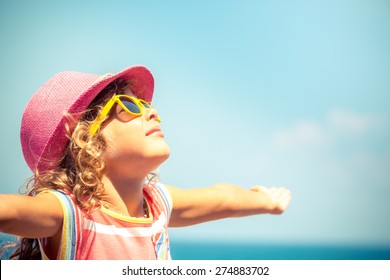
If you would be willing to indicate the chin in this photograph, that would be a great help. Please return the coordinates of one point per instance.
(163, 151)
(159, 155)
(164, 156)
(157, 162)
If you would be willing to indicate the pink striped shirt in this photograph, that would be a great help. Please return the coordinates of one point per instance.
(107, 235)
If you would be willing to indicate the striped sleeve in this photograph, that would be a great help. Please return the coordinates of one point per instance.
(167, 198)
(67, 249)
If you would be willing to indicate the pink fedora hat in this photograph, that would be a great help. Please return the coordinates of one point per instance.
(42, 132)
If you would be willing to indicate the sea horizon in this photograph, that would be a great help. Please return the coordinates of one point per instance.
(220, 250)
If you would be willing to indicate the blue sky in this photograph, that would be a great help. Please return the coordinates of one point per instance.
(276, 93)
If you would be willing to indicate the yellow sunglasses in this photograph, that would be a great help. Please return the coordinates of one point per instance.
(130, 104)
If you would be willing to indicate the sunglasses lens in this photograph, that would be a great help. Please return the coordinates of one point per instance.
(130, 105)
(145, 104)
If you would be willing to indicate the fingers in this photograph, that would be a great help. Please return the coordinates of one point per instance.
(274, 191)
(259, 189)
(284, 198)
(280, 196)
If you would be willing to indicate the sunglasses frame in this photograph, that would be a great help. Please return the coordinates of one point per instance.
(116, 99)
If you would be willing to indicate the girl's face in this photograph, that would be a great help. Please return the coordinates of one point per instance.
(135, 145)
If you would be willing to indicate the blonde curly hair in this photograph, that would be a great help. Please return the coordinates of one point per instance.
(81, 168)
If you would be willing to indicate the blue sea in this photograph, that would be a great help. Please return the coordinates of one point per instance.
(187, 250)
(222, 251)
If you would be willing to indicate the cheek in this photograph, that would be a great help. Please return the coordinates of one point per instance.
(127, 145)
(124, 139)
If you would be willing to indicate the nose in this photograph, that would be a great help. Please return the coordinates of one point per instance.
(152, 114)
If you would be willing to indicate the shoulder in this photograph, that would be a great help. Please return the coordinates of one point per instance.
(65, 200)
(62, 196)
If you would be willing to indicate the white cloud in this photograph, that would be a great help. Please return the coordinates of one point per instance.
(351, 122)
(300, 135)
(343, 148)
(338, 124)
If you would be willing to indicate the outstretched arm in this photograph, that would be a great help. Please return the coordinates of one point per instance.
(223, 201)
(31, 217)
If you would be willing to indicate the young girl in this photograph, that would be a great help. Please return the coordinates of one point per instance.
(93, 143)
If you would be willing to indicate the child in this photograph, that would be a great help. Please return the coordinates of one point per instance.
(93, 143)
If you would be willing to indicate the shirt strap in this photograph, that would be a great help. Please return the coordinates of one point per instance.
(67, 249)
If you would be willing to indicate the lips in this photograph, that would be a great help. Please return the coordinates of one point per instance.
(156, 131)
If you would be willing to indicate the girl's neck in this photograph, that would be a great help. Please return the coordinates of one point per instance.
(124, 195)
